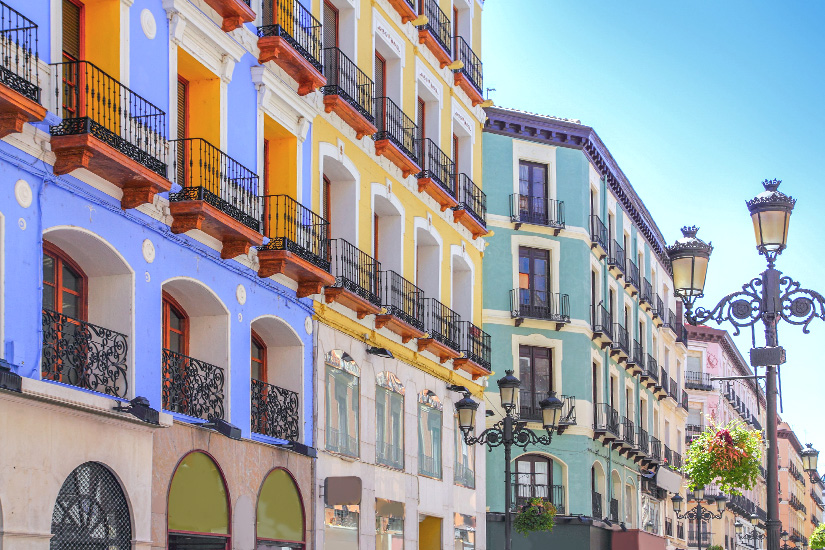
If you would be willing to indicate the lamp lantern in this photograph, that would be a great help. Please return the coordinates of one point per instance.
(810, 459)
(508, 389)
(754, 519)
(677, 503)
(550, 408)
(466, 408)
(699, 493)
(739, 526)
(771, 213)
(689, 257)
(720, 503)
(784, 536)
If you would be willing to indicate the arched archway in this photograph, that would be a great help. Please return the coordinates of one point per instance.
(340, 181)
(387, 229)
(389, 420)
(462, 284)
(539, 475)
(280, 512)
(615, 496)
(91, 511)
(198, 505)
(597, 488)
(428, 245)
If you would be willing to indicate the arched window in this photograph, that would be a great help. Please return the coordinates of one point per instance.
(389, 419)
(534, 479)
(175, 326)
(64, 284)
(198, 514)
(91, 512)
(280, 513)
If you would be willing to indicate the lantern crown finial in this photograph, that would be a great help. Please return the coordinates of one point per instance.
(771, 185)
(690, 231)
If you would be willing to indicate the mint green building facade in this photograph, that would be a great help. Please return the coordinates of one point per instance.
(567, 311)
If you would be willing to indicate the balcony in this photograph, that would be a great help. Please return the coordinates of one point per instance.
(614, 510)
(796, 504)
(474, 345)
(620, 347)
(525, 491)
(110, 131)
(698, 381)
(192, 387)
(348, 92)
(298, 245)
(616, 259)
(442, 326)
(650, 372)
(661, 386)
(404, 306)
(681, 335)
(436, 176)
(219, 197)
(627, 435)
(684, 401)
(601, 323)
(435, 33)
(19, 74)
(539, 304)
(673, 391)
(671, 322)
(672, 459)
(636, 359)
(274, 411)
(691, 431)
(291, 37)
(357, 279)
(471, 210)
(631, 279)
(468, 77)
(695, 539)
(642, 442)
(405, 8)
(537, 211)
(817, 499)
(84, 355)
(655, 450)
(233, 12)
(529, 412)
(606, 425)
(597, 505)
(598, 237)
(658, 310)
(396, 136)
(567, 417)
(646, 295)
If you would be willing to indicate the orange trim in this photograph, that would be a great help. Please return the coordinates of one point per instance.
(258, 341)
(170, 304)
(60, 257)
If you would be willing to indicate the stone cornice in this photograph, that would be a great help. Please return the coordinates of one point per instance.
(572, 134)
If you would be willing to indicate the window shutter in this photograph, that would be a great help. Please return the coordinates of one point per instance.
(71, 30)
(330, 27)
(181, 133)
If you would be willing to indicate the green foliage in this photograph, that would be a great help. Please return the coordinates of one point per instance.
(729, 455)
(714, 547)
(818, 537)
(537, 515)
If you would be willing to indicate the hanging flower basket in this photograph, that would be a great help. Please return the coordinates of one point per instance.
(728, 455)
(818, 537)
(536, 515)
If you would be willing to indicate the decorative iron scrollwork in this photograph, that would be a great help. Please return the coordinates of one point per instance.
(494, 437)
(799, 306)
(274, 411)
(192, 387)
(741, 309)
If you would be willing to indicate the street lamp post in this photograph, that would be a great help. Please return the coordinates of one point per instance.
(699, 512)
(794, 539)
(509, 432)
(769, 298)
(810, 460)
(753, 535)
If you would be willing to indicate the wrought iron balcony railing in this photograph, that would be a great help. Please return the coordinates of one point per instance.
(474, 343)
(536, 211)
(672, 458)
(673, 390)
(643, 441)
(628, 430)
(208, 174)
(663, 379)
(693, 537)
(598, 232)
(698, 381)
(632, 273)
(92, 102)
(395, 126)
(606, 418)
(796, 504)
(684, 401)
(651, 369)
(472, 64)
(670, 321)
(692, 430)
(616, 256)
(621, 339)
(84, 355)
(646, 294)
(438, 24)
(682, 334)
(356, 271)
(539, 304)
(464, 476)
(192, 387)
(529, 409)
(436, 165)
(637, 356)
(471, 198)
(295, 24)
(442, 323)
(597, 505)
(655, 448)
(658, 306)
(614, 510)
(18, 53)
(341, 442)
(291, 226)
(525, 491)
(389, 454)
(347, 81)
(274, 411)
(402, 299)
(601, 321)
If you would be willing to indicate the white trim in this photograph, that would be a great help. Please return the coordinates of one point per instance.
(425, 225)
(385, 192)
(328, 150)
(457, 251)
(534, 152)
(125, 48)
(531, 241)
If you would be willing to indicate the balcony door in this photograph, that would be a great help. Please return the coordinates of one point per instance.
(73, 50)
(421, 122)
(534, 275)
(536, 375)
(175, 327)
(534, 479)
(380, 91)
(533, 192)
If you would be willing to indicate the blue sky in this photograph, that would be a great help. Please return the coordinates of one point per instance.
(698, 102)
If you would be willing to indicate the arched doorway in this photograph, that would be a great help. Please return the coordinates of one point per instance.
(91, 512)
(280, 519)
(198, 507)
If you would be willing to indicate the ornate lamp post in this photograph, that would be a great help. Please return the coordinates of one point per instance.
(508, 432)
(769, 298)
(698, 512)
(810, 460)
(754, 535)
(794, 539)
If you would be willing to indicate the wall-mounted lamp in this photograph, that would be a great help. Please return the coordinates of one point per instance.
(224, 428)
(140, 409)
(380, 352)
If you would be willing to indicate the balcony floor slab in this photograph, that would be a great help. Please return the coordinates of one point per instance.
(310, 278)
(237, 238)
(277, 49)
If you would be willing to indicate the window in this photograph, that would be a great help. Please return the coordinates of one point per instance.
(389, 524)
(536, 374)
(258, 358)
(534, 272)
(534, 479)
(421, 122)
(72, 51)
(533, 192)
(64, 284)
(465, 460)
(465, 532)
(341, 526)
(175, 326)
(183, 126)
(343, 400)
(429, 434)
(330, 26)
(380, 76)
(389, 419)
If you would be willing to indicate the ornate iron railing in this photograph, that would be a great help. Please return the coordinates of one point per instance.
(658, 306)
(684, 401)
(92, 102)
(672, 458)
(698, 381)
(614, 509)
(655, 448)
(606, 418)
(597, 505)
(18, 53)
(628, 430)
(651, 369)
(295, 24)
(673, 390)
(536, 211)
(637, 355)
(601, 320)
(438, 23)
(691, 431)
(706, 537)
(464, 476)
(393, 125)
(668, 527)
(540, 304)
(442, 323)
(341, 443)
(642, 440)
(632, 273)
(436, 165)
(356, 271)
(291, 226)
(208, 174)
(192, 387)
(523, 492)
(471, 198)
(663, 379)
(84, 355)
(621, 339)
(389, 454)
(598, 232)
(347, 81)
(474, 343)
(567, 417)
(472, 64)
(402, 299)
(670, 321)
(616, 256)
(680, 530)
(646, 294)
(274, 411)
